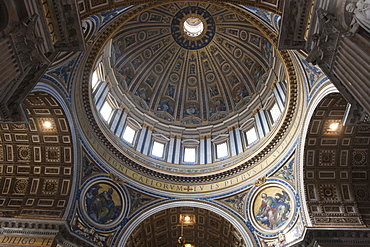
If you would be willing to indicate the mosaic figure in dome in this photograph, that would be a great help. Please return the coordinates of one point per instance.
(233, 80)
(103, 204)
(127, 74)
(192, 94)
(267, 49)
(170, 91)
(248, 62)
(137, 62)
(165, 106)
(220, 58)
(165, 58)
(191, 110)
(192, 69)
(274, 210)
(206, 66)
(213, 90)
(144, 96)
(259, 73)
(130, 40)
(150, 80)
(177, 67)
(154, 17)
(217, 106)
(256, 40)
(230, 46)
(241, 93)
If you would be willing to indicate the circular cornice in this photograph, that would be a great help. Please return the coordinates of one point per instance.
(193, 43)
(93, 126)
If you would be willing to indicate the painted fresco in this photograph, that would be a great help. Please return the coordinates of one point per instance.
(103, 204)
(272, 208)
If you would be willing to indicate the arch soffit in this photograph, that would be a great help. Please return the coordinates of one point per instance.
(324, 90)
(247, 235)
(46, 87)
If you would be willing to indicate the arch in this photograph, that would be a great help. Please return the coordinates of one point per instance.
(336, 167)
(57, 94)
(325, 89)
(239, 226)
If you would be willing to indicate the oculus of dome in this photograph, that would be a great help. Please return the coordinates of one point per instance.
(188, 35)
(193, 27)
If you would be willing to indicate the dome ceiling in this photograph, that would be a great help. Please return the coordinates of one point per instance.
(184, 78)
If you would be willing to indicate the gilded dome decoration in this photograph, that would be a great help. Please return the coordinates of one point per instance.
(170, 73)
(189, 84)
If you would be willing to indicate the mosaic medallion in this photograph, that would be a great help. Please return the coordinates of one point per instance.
(272, 208)
(103, 203)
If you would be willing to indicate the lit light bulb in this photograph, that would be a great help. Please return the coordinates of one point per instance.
(47, 124)
(187, 218)
(334, 126)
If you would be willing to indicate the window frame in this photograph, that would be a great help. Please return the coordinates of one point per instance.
(133, 124)
(248, 143)
(161, 139)
(99, 76)
(124, 131)
(190, 144)
(248, 125)
(218, 140)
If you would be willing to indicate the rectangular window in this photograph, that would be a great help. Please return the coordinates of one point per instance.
(129, 134)
(189, 155)
(106, 111)
(221, 150)
(275, 112)
(158, 149)
(94, 79)
(251, 136)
